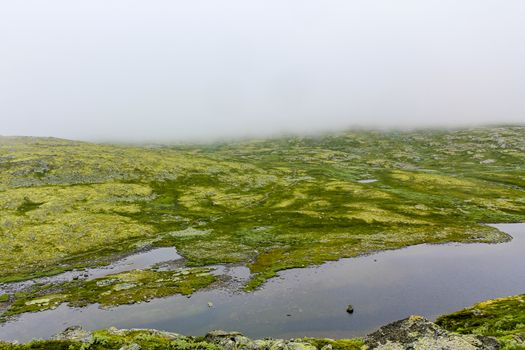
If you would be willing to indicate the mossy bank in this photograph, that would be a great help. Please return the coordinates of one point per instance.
(503, 318)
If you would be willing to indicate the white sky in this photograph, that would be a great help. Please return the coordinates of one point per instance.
(128, 70)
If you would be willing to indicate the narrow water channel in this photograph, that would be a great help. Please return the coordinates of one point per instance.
(136, 261)
(427, 280)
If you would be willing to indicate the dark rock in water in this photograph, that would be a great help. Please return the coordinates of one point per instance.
(417, 333)
(350, 309)
(76, 333)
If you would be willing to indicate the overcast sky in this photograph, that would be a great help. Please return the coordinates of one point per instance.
(172, 70)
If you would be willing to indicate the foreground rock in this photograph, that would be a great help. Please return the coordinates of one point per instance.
(417, 333)
(235, 340)
(74, 333)
(414, 333)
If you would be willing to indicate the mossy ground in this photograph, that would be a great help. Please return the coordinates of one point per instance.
(105, 340)
(337, 344)
(503, 318)
(271, 204)
(153, 340)
(112, 290)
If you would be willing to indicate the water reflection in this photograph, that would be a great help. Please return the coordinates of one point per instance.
(427, 280)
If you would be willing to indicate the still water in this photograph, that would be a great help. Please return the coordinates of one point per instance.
(136, 261)
(427, 280)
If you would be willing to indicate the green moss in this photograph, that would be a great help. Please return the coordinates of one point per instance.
(337, 344)
(4, 298)
(112, 290)
(503, 318)
(43, 345)
(148, 339)
(110, 339)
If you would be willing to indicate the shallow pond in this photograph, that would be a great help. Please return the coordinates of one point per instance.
(427, 280)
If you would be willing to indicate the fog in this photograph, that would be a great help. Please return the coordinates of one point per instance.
(171, 70)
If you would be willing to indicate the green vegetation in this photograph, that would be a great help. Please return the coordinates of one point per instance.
(270, 204)
(503, 318)
(336, 344)
(109, 340)
(44, 345)
(112, 290)
(151, 339)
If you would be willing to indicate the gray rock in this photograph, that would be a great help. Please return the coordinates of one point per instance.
(76, 333)
(236, 341)
(417, 333)
(132, 346)
(104, 283)
(153, 332)
(220, 334)
(227, 340)
(300, 346)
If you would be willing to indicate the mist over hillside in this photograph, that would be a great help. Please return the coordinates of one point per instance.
(177, 71)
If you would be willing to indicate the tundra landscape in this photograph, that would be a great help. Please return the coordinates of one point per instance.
(269, 205)
(262, 175)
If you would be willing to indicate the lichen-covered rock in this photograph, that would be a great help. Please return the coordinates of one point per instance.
(417, 333)
(132, 346)
(75, 333)
(236, 341)
(149, 332)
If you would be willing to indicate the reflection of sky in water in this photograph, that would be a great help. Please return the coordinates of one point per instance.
(136, 261)
(425, 279)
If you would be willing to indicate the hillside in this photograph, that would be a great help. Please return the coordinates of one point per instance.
(268, 204)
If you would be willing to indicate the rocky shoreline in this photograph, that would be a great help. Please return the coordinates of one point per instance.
(489, 325)
(414, 332)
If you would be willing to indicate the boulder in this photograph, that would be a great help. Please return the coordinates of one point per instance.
(132, 346)
(417, 333)
(76, 333)
(236, 341)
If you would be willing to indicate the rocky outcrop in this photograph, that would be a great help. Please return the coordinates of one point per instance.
(417, 333)
(74, 333)
(413, 333)
(235, 340)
